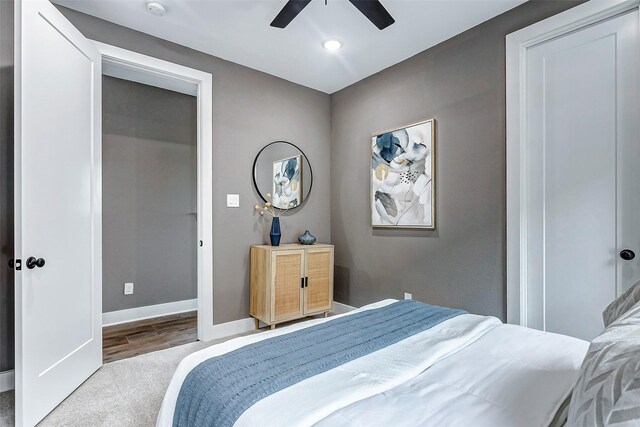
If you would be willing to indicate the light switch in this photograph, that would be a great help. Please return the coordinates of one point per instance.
(233, 200)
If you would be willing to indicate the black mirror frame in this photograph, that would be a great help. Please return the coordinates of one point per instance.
(255, 178)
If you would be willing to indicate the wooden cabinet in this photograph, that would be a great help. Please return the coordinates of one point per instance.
(290, 281)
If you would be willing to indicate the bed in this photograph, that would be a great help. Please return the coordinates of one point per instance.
(462, 370)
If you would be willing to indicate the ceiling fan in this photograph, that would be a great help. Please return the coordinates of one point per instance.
(372, 9)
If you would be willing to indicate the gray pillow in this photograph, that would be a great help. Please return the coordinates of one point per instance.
(623, 303)
(608, 389)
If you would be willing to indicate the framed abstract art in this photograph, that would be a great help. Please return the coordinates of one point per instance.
(287, 185)
(403, 177)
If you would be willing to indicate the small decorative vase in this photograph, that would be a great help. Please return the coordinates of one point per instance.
(307, 238)
(275, 231)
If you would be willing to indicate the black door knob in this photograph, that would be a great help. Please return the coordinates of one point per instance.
(32, 262)
(12, 263)
(627, 254)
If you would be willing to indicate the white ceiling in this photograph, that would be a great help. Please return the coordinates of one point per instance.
(239, 31)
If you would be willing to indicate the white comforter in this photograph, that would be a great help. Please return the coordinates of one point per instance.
(468, 370)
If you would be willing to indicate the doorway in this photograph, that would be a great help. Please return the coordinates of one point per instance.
(149, 202)
(177, 80)
(572, 148)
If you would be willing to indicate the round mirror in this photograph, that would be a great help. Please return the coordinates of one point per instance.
(282, 170)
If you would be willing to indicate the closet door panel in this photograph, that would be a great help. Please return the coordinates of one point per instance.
(580, 179)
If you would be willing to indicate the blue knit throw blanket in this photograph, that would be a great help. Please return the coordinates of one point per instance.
(220, 389)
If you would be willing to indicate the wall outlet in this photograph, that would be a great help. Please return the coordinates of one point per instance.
(128, 288)
(233, 200)
(407, 295)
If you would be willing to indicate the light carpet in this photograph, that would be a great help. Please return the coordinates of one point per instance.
(127, 392)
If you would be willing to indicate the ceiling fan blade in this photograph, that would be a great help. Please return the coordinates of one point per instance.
(375, 12)
(288, 12)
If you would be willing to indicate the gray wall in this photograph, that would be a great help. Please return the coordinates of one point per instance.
(6, 184)
(149, 173)
(460, 83)
(250, 109)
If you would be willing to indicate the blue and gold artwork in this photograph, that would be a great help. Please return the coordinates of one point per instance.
(402, 177)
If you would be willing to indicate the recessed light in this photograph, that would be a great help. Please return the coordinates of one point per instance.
(156, 8)
(332, 45)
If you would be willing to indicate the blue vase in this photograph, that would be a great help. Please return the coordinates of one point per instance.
(275, 231)
(307, 238)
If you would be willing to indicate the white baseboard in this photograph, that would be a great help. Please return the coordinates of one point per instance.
(148, 312)
(340, 308)
(7, 380)
(247, 324)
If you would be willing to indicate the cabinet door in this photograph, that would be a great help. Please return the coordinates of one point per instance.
(319, 272)
(287, 269)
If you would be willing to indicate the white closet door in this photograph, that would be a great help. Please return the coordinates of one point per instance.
(582, 155)
(57, 182)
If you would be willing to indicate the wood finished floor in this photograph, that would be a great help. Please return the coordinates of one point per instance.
(136, 338)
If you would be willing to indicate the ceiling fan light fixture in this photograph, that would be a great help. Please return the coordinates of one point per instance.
(332, 45)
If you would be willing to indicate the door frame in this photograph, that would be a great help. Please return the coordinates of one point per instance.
(167, 75)
(517, 44)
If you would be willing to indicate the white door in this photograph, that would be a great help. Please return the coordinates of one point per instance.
(57, 164)
(582, 154)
